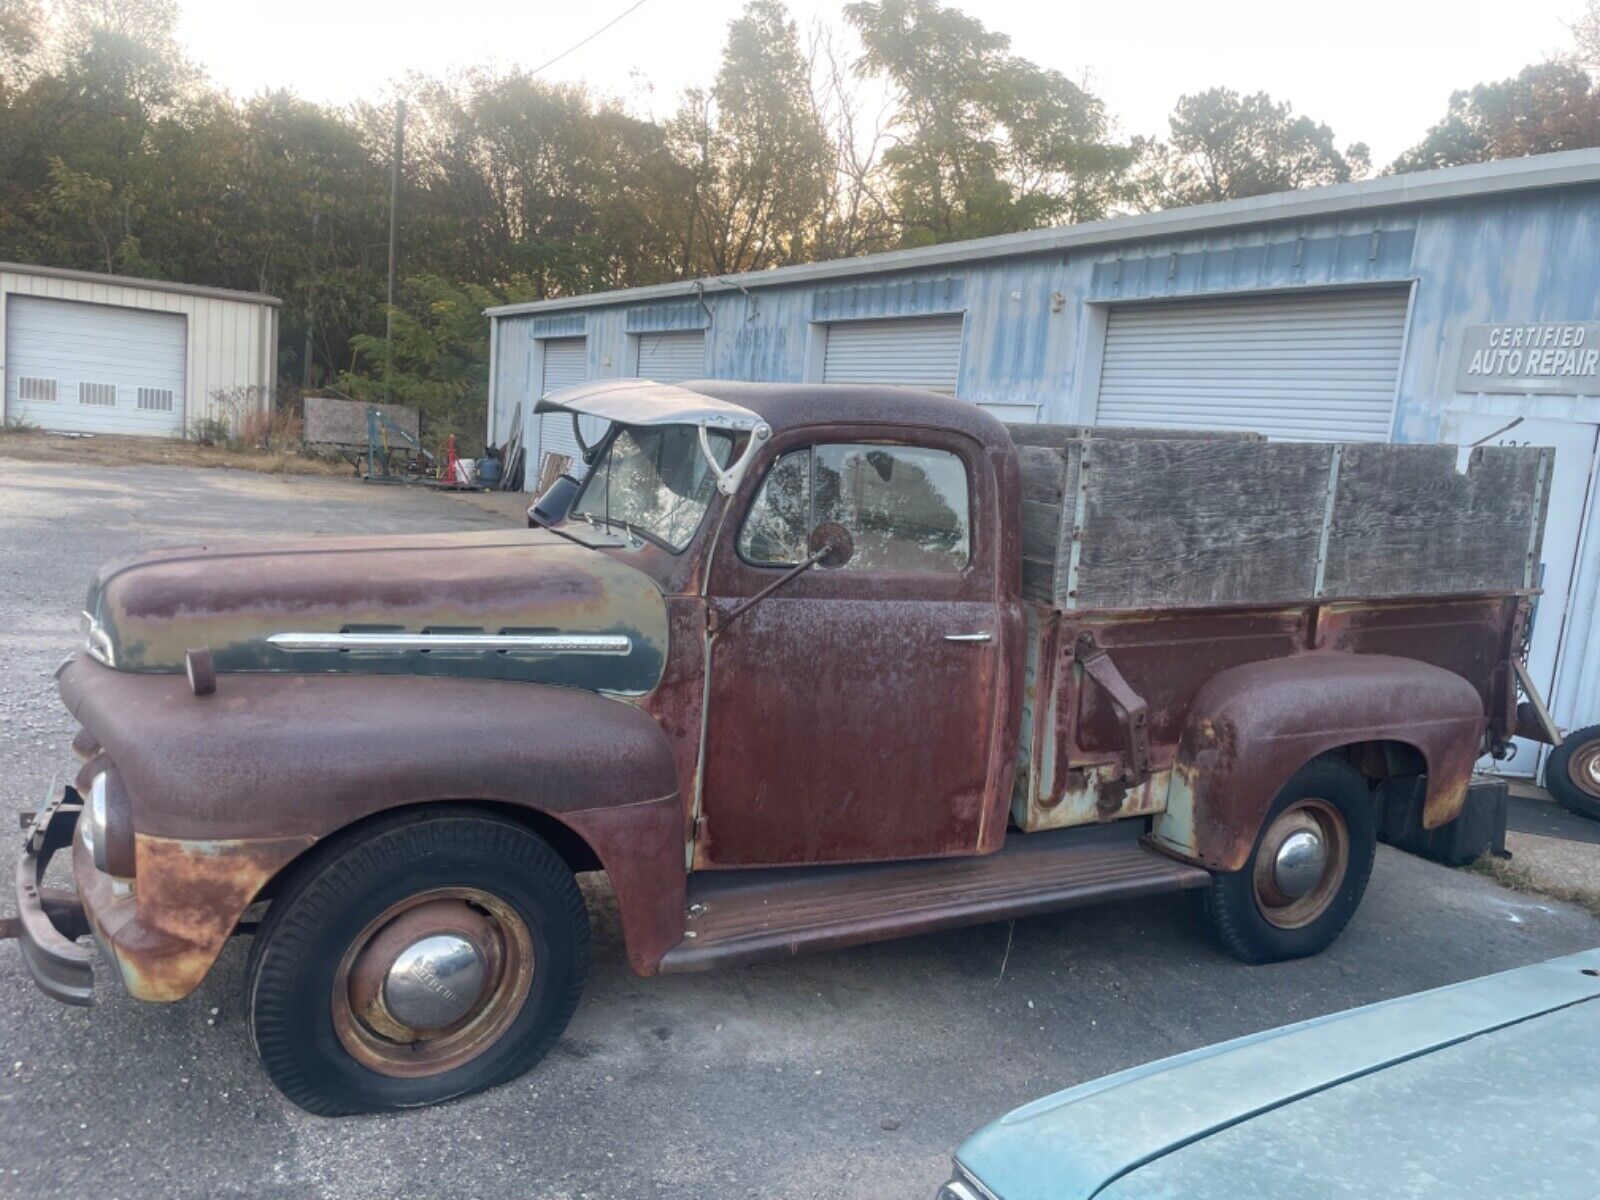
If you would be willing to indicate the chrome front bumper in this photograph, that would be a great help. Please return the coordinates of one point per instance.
(50, 920)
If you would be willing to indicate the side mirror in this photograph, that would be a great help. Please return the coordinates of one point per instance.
(553, 506)
(831, 545)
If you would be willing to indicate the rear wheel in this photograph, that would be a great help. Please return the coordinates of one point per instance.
(1306, 873)
(435, 956)
(1572, 772)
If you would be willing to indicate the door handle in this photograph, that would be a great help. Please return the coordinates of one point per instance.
(968, 637)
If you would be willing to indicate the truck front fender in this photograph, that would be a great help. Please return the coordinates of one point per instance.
(1251, 727)
(245, 780)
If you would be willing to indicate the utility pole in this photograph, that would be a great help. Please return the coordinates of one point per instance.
(394, 244)
(311, 307)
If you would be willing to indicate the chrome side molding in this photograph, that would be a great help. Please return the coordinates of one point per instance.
(483, 643)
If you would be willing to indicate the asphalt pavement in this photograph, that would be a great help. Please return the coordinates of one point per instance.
(844, 1075)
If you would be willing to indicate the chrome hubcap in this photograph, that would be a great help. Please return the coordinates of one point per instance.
(432, 982)
(1584, 768)
(1301, 859)
(1301, 863)
(435, 982)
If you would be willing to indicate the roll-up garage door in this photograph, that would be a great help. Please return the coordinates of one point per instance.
(672, 357)
(1303, 367)
(94, 367)
(911, 352)
(566, 364)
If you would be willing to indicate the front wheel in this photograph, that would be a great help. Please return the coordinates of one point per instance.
(436, 955)
(1307, 871)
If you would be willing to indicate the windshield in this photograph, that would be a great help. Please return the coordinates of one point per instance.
(655, 480)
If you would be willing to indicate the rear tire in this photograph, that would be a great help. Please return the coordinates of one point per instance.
(348, 1014)
(1250, 914)
(1572, 772)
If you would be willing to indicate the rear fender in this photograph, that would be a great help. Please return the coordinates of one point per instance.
(245, 780)
(1253, 726)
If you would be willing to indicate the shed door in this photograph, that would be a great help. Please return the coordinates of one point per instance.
(1303, 367)
(94, 367)
(566, 364)
(911, 352)
(672, 357)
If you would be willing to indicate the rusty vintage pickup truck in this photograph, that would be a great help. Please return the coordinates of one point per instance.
(796, 667)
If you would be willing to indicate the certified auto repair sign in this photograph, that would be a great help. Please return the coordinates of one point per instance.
(1549, 356)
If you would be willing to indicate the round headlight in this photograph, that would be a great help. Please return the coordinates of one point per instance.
(94, 823)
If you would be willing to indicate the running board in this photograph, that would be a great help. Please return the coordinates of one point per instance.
(739, 915)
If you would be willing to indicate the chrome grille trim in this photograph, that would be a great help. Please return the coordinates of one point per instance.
(485, 643)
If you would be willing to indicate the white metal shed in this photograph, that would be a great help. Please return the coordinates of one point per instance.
(109, 354)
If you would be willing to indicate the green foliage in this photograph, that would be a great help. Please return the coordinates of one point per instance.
(211, 431)
(988, 142)
(1225, 146)
(1546, 107)
(440, 359)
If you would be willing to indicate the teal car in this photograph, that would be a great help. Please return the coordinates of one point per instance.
(1489, 1088)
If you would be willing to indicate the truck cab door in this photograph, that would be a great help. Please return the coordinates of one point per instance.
(851, 715)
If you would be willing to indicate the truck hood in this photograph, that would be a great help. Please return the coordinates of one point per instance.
(145, 613)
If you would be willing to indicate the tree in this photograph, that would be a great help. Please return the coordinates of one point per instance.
(987, 142)
(1226, 146)
(1548, 106)
(441, 352)
(22, 26)
(512, 176)
(756, 150)
(856, 216)
(1586, 34)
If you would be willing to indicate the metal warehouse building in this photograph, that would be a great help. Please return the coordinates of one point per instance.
(109, 354)
(1420, 308)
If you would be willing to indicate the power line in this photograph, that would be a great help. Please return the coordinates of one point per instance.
(580, 45)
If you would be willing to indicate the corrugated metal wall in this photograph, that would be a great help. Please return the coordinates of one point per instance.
(231, 357)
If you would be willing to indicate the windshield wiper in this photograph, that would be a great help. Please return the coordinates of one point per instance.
(634, 534)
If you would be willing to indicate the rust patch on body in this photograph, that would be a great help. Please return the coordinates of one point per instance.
(188, 898)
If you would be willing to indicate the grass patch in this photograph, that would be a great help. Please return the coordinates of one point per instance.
(114, 450)
(1510, 874)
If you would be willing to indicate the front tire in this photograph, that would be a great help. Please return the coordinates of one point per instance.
(1306, 873)
(1572, 772)
(434, 956)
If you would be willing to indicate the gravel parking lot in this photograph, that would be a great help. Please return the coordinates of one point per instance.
(852, 1074)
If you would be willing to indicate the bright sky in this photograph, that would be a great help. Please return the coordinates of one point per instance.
(1378, 71)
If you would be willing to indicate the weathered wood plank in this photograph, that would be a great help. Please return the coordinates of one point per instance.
(1180, 524)
(1038, 582)
(1059, 436)
(1406, 523)
(1043, 473)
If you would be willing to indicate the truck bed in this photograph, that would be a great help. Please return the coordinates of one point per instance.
(1117, 522)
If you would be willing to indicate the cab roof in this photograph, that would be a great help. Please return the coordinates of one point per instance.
(729, 404)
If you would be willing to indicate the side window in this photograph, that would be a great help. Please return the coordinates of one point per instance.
(905, 506)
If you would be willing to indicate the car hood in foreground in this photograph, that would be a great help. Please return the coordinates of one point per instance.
(1485, 1088)
(234, 599)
